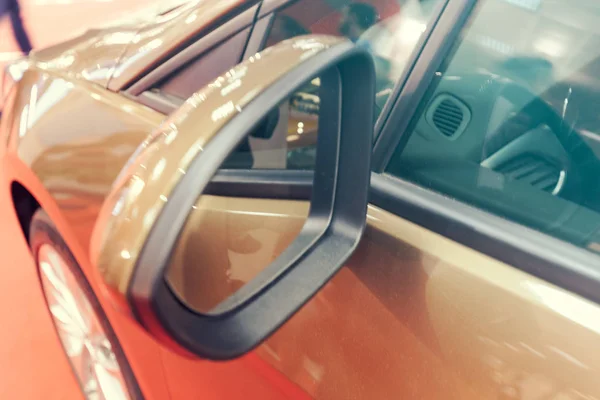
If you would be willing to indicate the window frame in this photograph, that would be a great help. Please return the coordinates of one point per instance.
(140, 90)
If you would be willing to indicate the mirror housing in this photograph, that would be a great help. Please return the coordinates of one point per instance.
(140, 221)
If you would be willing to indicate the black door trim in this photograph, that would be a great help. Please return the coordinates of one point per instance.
(551, 259)
(404, 105)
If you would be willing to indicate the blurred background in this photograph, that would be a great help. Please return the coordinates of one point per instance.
(52, 21)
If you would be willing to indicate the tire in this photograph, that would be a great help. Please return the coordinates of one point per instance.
(42, 231)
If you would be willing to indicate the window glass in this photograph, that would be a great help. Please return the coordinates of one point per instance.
(389, 29)
(511, 123)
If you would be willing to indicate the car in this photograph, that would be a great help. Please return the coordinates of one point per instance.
(319, 199)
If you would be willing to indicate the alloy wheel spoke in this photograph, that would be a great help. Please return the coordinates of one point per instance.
(80, 330)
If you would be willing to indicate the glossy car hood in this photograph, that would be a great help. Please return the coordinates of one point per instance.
(95, 54)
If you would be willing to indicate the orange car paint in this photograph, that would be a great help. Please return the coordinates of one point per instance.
(73, 204)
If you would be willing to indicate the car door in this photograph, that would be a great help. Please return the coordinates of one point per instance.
(471, 281)
(499, 164)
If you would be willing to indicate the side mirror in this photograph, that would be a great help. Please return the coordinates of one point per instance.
(143, 219)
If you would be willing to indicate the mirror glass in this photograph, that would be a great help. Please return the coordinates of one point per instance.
(285, 138)
(231, 236)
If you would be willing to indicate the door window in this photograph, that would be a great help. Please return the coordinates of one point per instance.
(389, 29)
(511, 124)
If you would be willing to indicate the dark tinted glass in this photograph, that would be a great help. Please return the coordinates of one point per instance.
(512, 124)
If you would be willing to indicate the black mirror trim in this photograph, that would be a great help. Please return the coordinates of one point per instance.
(330, 235)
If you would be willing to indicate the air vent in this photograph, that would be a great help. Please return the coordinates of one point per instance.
(534, 171)
(448, 115)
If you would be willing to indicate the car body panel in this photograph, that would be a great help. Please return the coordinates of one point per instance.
(75, 159)
(412, 312)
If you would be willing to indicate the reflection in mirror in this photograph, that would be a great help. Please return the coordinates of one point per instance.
(285, 138)
(228, 241)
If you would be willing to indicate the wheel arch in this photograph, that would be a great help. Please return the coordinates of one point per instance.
(25, 205)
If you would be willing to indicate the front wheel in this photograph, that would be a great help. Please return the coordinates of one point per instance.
(89, 342)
